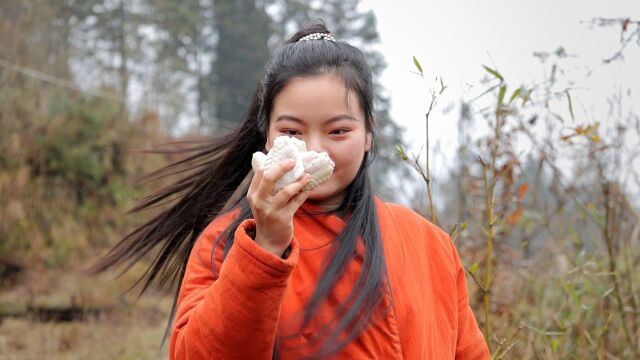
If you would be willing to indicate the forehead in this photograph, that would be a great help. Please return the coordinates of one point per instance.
(316, 97)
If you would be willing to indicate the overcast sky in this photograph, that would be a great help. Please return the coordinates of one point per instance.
(454, 38)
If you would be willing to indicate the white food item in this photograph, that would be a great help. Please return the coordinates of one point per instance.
(318, 165)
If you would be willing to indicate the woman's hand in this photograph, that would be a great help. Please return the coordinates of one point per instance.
(274, 213)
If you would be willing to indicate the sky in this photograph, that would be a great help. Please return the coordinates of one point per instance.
(453, 39)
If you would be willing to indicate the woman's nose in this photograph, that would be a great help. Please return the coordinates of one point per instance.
(315, 143)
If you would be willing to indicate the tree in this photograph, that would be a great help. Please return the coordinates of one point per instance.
(36, 35)
(184, 47)
(109, 38)
(243, 28)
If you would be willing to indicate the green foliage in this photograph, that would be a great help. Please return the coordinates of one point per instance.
(501, 93)
(493, 73)
(65, 177)
(79, 146)
(474, 268)
(417, 64)
(401, 154)
(515, 94)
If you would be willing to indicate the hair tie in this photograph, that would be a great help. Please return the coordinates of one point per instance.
(318, 36)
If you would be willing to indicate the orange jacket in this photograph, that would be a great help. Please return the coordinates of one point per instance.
(257, 295)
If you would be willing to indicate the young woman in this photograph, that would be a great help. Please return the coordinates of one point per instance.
(334, 272)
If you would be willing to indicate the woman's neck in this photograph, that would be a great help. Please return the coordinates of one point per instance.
(330, 204)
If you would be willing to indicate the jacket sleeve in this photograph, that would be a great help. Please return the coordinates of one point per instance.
(471, 344)
(233, 315)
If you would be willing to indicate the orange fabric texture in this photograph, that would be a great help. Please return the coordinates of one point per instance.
(237, 311)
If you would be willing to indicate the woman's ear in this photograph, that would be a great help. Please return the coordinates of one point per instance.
(367, 143)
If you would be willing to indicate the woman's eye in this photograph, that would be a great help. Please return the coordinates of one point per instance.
(340, 131)
(289, 132)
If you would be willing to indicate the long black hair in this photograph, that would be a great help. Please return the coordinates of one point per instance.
(218, 173)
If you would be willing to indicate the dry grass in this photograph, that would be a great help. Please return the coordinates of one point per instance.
(130, 330)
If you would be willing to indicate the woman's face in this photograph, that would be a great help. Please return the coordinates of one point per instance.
(314, 109)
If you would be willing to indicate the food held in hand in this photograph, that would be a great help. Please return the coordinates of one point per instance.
(318, 165)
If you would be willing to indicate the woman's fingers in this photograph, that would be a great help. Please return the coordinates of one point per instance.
(274, 212)
(297, 201)
(282, 198)
(255, 181)
(272, 175)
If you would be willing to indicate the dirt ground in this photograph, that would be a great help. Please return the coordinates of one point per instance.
(126, 327)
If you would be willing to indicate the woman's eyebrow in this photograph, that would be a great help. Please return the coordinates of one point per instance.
(333, 119)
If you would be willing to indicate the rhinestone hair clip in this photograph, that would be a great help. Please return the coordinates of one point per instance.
(318, 36)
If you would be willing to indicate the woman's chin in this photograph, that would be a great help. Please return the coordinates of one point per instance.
(322, 192)
(317, 194)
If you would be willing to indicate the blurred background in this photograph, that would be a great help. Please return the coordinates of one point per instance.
(515, 127)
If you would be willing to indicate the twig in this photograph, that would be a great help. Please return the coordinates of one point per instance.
(58, 81)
